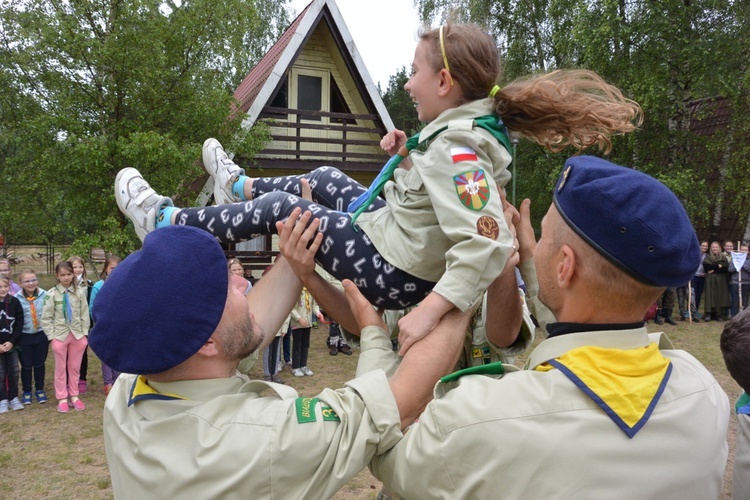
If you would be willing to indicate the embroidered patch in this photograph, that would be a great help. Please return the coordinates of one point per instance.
(472, 189)
(306, 410)
(463, 154)
(328, 414)
(488, 227)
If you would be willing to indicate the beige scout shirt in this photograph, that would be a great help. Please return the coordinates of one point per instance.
(426, 230)
(741, 468)
(54, 324)
(536, 435)
(477, 349)
(306, 308)
(224, 440)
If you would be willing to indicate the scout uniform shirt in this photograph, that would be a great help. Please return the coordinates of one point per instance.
(535, 433)
(443, 220)
(219, 438)
(65, 311)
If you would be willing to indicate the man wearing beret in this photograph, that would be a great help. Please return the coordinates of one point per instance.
(185, 424)
(602, 409)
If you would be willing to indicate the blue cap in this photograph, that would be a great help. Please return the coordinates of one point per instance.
(162, 303)
(630, 218)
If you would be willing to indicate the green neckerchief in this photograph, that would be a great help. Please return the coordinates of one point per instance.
(491, 123)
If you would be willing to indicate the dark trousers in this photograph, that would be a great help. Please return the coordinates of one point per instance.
(736, 297)
(300, 347)
(9, 373)
(85, 364)
(34, 349)
(272, 355)
(286, 344)
(698, 284)
(346, 252)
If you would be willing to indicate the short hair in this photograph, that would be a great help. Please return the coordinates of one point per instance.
(601, 274)
(735, 347)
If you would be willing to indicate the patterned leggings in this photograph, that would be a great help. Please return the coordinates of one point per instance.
(344, 253)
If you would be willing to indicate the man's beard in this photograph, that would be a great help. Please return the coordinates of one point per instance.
(241, 339)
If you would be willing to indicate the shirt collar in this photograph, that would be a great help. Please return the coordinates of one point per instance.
(562, 328)
(604, 336)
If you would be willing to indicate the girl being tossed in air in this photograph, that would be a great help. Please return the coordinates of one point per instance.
(438, 238)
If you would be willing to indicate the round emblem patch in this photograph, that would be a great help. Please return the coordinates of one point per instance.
(488, 227)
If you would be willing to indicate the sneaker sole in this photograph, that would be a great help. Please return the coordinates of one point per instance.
(123, 198)
(211, 165)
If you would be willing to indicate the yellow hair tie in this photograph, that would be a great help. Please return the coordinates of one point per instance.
(445, 58)
(494, 90)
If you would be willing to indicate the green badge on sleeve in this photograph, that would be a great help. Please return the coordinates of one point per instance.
(306, 410)
(328, 414)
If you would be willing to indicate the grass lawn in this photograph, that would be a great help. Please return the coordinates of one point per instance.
(52, 455)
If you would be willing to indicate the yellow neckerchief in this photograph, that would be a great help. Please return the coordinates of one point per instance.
(141, 390)
(625, 383)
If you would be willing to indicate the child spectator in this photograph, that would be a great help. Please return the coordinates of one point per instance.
(235, 267)
(272, 355)
(81, 281)
(108, 374)
(34, 345)
(7, 271)
(11, 325)
(303, 315)
(65, 320)
(735, 347)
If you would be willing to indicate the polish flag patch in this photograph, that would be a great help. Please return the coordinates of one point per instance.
(463, 154)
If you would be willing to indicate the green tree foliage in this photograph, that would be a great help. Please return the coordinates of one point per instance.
(92, 86)
(664, 54)
(400, 106)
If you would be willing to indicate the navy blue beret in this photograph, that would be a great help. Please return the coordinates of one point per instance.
(630, 218)
(161, 303)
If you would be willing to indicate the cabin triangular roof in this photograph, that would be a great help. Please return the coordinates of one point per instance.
(260, 85)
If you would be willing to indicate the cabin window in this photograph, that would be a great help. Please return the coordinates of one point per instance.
(338, 104)
(310, 94)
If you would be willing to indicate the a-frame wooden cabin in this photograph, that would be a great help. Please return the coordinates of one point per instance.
(313, 90)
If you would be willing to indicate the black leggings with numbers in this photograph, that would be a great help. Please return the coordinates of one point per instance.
(345, 253)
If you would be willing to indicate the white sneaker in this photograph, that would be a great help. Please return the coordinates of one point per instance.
(307, 371)
(279, 367)
(297, 372)
(4, 403)
(15, 404)
(138, 201)
(223, 170)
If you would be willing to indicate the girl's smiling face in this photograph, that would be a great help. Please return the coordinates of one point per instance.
(424, 83)
(237, 270)
(65, 277)
(29, 283)
(77, 268)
